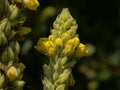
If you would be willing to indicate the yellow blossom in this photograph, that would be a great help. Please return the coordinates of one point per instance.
(40, 45)
(12, 73)
(80, 51)
(71, 45)
(58, 42)
(48, 44)
(31, 4)
(49, 48)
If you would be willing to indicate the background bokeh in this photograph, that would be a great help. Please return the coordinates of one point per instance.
(99, 29)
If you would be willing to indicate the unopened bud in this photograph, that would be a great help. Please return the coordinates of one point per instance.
(12, 73)
(2, 80)
(13, 12)
(3, 39)
(61, 87)
(7, 55)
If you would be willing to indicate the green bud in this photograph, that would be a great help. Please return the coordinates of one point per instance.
(55, 33)
(47, 84)
(21, 67)
(5, 26)
(11, 34)
(16, 47)
(7, 55)
(61, 87)
(47, 70)
(3, 7)
(2, 80)
(55, 75)
(56, 66)
(68, 23)
(13, 12)
(19, 84)
(63, 60)
(70, 64)
(3, 39)
(64, 76)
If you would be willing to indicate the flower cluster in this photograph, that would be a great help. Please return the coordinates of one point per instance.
(63, 38)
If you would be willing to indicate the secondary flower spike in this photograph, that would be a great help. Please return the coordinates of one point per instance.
(63, 47)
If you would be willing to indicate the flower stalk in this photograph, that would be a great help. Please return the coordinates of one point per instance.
(11, 32)
(63, 48)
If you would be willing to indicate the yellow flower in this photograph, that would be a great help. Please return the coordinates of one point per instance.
(31, 4)
(80, 51)
(12, 73)
(71, 45)
(49, 48)
(58, 42)
(48, 44)
(40, 45)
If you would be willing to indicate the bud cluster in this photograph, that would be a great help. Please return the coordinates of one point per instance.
(10, 69)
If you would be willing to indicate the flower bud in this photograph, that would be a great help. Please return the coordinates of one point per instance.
(2, 80)
(50, 38)
(12, 73)
(58, 42)
(13, 12)
(47, 84)
(68, 23)
(63, 60)
(64, 76)
(3, 39)
(31, 4)
(19, 84)
(7, 55)
(55, 75)
(46, 70)
(3, 7)
(15, 46)
(61, 87)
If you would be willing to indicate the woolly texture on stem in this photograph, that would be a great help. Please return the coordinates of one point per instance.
(63, 47)
(11, 20)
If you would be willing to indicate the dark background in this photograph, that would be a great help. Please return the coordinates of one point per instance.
(99, 25)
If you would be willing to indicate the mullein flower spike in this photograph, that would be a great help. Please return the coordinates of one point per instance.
(11, 21)
(63, 47)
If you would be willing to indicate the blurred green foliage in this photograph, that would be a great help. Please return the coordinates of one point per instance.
(99, 25)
